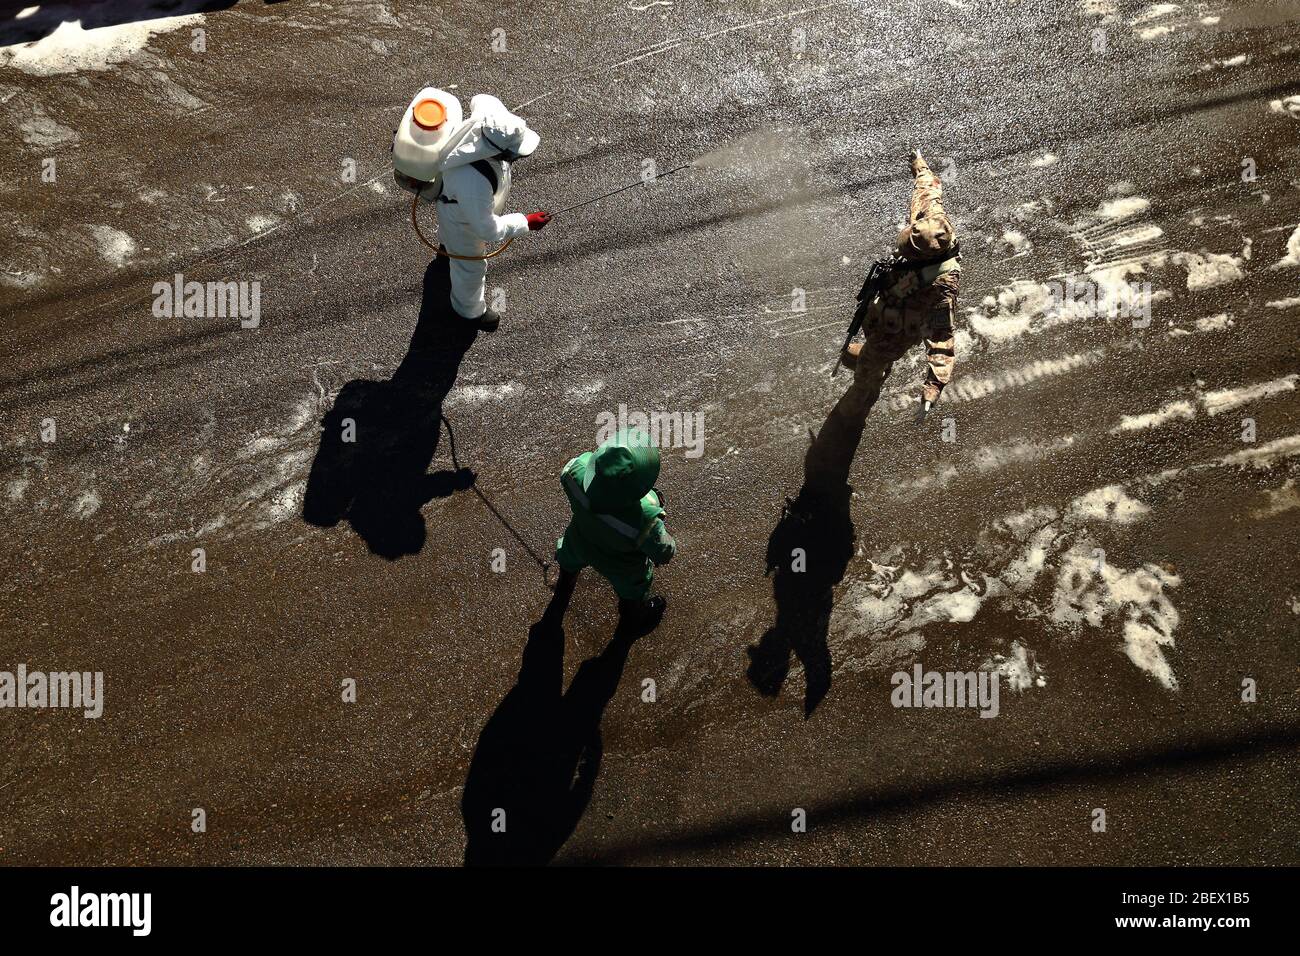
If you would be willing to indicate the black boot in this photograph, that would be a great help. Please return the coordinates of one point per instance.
(559, 603)
(640, 617)
(565, 583)
(489, 321)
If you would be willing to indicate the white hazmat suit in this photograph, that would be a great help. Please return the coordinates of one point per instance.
(469, 207)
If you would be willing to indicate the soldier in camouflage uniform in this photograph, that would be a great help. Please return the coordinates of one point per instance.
(915, 302)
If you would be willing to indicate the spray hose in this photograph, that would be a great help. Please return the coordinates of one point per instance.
(545, 566)
(439, 250)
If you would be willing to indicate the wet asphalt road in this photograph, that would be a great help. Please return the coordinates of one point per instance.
(1098, 531)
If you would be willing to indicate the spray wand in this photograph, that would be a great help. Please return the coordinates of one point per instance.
(615, 192)
(438, 250)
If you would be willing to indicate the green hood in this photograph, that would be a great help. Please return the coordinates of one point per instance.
(622, 471)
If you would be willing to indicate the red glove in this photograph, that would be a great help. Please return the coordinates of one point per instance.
(536, 220)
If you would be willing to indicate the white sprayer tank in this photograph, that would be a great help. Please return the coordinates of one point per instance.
(432, 126)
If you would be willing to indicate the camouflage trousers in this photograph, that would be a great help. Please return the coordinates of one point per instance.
(888, 337)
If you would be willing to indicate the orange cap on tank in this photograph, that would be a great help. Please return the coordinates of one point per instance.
(429, 114)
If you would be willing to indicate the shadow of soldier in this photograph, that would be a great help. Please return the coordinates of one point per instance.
(379, 438)
(807, 555)
(535, 766)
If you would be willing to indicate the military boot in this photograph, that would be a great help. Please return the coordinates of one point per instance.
(640, 617)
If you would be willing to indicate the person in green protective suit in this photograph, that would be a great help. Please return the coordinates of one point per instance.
(618, 524)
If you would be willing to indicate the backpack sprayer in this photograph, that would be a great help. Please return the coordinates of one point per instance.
(431, 129)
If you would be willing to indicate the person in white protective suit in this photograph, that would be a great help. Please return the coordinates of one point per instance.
(475, 187)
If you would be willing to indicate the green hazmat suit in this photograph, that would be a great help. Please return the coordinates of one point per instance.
(617, 525)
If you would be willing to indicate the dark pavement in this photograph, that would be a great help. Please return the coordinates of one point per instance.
(1098, 531)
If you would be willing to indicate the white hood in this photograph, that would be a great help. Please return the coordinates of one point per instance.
(472, 148)
(486, 109)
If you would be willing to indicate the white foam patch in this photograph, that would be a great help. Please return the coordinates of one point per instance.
(1260, 457)
(876, 621)
(87, 504)
(302, 414)
(275, 466)
(471, 395)
(1284, 303)
(15, 489)
(1032, 372)
(1142, 644)
(1226, 64)
(1211, 270)
(1265, 456)
(1042, 162)
(1032, 211)
(1021, 524)
(1292, 257)
(951, 606)
(993, 457)
(1011, 312)
(1090, 592)
(1118, 294)
(1287, 106)
(1214, 403)
(1118, 252)
(44, 133)
(1136, 236)
(275, 497)
(71, 46)
(286, 501)
(988, 458)
(1214, 323)
(1152, 33)
(261, 222)
(1226, 399)
(882, 607)
(1279, 500)
(114, 245)
(1016, 243)
(1111, 503)
(1018, 669)
(1155, 12)
(969, 389)
(1161, 416)
(1099, 8)
(1124, 207)
(585, 390)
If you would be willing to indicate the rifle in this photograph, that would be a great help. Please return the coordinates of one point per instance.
(880, 271)
(866, 295)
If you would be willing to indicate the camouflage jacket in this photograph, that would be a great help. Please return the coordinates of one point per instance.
(917, 304)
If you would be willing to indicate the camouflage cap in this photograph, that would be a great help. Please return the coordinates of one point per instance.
(926, 238)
